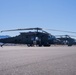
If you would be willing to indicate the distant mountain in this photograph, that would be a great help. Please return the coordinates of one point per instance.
(4, 36)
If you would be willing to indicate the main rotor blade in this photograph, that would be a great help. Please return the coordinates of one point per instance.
(22, 29)
(61, 31)
(38, 29)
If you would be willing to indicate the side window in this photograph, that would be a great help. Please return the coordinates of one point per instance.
(32, 38)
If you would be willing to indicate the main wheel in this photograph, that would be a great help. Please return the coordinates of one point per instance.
(47, 45)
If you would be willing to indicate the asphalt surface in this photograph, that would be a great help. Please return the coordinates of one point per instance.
(20, 60)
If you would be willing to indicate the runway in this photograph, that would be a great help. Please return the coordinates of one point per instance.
(21, 60)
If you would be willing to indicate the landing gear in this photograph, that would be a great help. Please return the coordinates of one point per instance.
(40, 45)
(47, 45)
(30, 45)
(69, 44)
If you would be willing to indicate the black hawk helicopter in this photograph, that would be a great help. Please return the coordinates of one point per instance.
(38, 37)
(65, 40)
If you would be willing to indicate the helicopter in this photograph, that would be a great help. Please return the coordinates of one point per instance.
(38, 37)
(66, 40)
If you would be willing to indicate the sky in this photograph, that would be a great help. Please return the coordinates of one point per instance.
(47, 14)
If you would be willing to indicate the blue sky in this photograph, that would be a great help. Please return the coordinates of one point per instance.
(52, 14)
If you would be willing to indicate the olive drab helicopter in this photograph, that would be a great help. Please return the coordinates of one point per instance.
(38, 37)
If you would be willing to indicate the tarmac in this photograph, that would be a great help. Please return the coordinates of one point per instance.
(21, 60)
